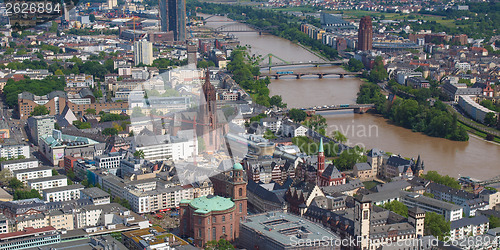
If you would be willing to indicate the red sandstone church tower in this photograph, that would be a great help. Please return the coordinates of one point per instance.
(207, 117)
(321, 158)
(365, 34)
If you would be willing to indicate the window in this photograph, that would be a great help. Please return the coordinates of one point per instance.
(231, 217)
(214, 234)
(199, 220)
(214, 220)
(199, 232)
(241, 207)
(223, 218)
(223, 230)
(240, 192)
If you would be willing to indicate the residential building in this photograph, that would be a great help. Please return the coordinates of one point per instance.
(96, 195)
(474, 109)
(61, 219)
(47, 182)
(454, 91)
(21, 208)
(445, 193)
(80, 81)
(471, 226)
(417, 82)
(40, 125)
(14, 151)
(32, 173)
(292, 129)
(167, 147)
(64, 193)
(143, 52)
(271, 123)
(363, 171)
(267, 197)
(4, 224)
(20, 164)
(279, 230)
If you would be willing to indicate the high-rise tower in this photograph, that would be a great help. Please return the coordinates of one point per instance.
(173, 17)
(365, 33)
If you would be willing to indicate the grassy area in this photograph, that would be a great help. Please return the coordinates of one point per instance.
(371, 184)
(477, 132)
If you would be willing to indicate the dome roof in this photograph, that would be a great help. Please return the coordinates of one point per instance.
(237, 166)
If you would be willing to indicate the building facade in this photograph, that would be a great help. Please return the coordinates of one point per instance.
(365, 34)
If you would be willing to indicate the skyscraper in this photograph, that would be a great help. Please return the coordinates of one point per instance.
(365, 33)
(143, 52)
(173, 17)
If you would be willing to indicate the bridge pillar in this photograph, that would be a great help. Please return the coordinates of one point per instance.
(298, 76)
(341, 75)
(276, 77)
(320, 76)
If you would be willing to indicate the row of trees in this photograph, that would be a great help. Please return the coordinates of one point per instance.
(38, 87)
(245, 73)
(278, 23)
(445, 180)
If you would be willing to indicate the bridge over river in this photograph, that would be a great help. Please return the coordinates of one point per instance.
(299, 74)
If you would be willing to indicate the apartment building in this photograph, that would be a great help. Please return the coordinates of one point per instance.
(32, 173)
(20, 164)
(472, 226)
(14, 151)
(47, 182)
(96, 195)
(63, 193)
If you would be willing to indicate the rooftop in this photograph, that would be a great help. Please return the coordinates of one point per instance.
(95, 192)
(63, 188)
(207, 204)
(282, 227)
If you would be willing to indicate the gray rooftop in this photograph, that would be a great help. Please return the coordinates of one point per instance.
(282, 227)
(20, 171)
(63, 188)
(95, 192)
(477, 220)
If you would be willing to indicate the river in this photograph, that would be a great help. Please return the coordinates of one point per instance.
(476, 158)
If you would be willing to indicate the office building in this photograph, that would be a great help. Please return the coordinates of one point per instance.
(173, 18)
(40, 125)
(365, 34)
(143, 52)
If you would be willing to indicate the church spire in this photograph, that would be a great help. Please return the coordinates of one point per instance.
(321, 150)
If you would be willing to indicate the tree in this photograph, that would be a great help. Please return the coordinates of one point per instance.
(490, 119)
(137, 112)
(70, 174)
(397, 207)
(348, 158)
(109, 131)
(338, 136)
(445, 180)
(221, 244)
(269, 135)
(70, 182)
(355, 65)
(494, 222)
(59, 72)
(297, 115)
(81, 125)
(90, 111)
(39, 110)
(435, 224)
(14, 183)
(139, 154)
(276, 100)
(54, 172)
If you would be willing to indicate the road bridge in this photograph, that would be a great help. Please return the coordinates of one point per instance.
(358, 108)
(242, 27)
(315, 63)
(298, 75)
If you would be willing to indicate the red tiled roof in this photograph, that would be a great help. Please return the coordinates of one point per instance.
(26, 232)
